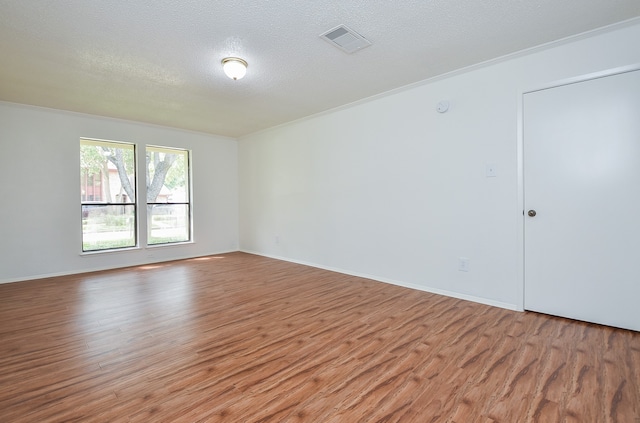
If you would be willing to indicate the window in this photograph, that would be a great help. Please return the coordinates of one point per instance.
(168, 195)
(108, 195)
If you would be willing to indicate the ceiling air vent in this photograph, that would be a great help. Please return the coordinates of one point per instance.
(345, 39)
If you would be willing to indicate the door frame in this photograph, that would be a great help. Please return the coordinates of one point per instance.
(520, 265)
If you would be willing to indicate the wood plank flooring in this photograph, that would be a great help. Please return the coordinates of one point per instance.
(242, 338)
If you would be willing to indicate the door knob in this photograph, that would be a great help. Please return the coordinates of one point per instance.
(531, 213)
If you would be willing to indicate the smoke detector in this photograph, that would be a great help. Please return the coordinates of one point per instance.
(345, 39)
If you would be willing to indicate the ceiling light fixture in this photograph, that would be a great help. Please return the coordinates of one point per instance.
(234, 67)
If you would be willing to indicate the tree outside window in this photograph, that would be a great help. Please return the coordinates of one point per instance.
(107, 192)
(168, 195)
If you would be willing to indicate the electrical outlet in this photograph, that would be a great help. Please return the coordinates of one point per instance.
(277, 239)
(463, 264)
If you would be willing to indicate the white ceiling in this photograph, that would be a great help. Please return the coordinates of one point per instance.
(158, 61)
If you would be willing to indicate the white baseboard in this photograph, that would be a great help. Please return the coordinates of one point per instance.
(431, 290)
(101, 268)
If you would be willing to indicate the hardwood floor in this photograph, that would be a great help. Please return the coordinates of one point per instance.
(241, 338)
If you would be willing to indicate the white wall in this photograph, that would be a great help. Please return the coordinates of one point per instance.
(393, 190)
(41, 232)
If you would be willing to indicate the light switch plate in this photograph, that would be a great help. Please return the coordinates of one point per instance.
(463, 264)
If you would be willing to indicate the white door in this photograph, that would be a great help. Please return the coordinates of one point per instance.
(582, 182)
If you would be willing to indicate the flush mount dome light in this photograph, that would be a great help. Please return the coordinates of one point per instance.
(234, 67)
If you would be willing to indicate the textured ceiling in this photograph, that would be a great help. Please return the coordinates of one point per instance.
(158, 61)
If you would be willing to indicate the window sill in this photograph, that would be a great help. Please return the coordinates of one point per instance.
(115, 250)
(170, 244)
